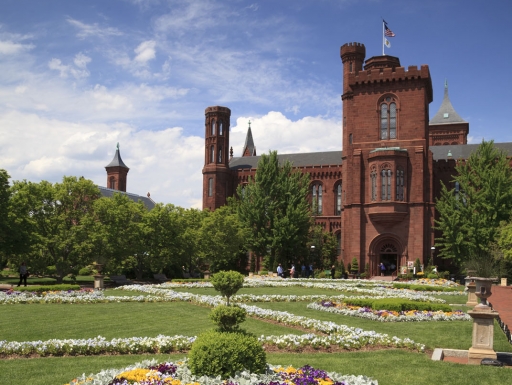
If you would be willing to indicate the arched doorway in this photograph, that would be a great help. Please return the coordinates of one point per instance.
(388, 256)
(389, 250)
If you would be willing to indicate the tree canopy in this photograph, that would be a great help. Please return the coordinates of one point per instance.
(471, 210)
(274, 207)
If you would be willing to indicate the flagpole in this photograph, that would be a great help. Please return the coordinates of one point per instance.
(383, 38)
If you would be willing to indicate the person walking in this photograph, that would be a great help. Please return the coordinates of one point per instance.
(280, 271)
(292, 271)
(382, 269)
(333, 271)
(23, 274)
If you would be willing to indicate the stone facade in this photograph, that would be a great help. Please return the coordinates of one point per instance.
(377, 195)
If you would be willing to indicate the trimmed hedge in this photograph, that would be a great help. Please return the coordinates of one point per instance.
(42, 288)
(397, 304)
(422, 287)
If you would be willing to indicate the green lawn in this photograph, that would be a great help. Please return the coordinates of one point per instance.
(110, 320)
(389, 367)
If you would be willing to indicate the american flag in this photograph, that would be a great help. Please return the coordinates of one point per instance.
(388, 32)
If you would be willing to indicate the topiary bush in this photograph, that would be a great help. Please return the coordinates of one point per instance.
(227, 318)
(227, 283)
(221, 354)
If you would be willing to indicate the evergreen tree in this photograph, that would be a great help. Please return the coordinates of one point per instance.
(471, 211)
(274, 206)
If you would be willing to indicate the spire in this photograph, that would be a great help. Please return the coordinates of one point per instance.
(249, 148)
(446, 113)
(117, 161)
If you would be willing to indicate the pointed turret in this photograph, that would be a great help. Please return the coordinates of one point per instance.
(249, 147)
(117, 172)
(447, 127)
(446, 113)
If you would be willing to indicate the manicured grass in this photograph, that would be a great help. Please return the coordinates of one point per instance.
(110, 320)
(388, 367)
(441, 334)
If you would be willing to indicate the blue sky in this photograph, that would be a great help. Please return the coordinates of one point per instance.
(76, 77)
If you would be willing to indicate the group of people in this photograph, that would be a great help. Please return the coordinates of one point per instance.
(306, 271)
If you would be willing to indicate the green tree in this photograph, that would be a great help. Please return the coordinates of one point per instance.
(52, 215)
(5, 223)
(274, 207)
(470, 213)
(326, 247)
(222, 240)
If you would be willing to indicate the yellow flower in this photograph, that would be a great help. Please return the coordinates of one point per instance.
(138, 375)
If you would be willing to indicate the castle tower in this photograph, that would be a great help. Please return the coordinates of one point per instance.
(387, 212)
(217, 184)
(447, 127)
(249, 147)
(117, 172)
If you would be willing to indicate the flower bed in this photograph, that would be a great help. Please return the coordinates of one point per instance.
(389, 316)
(150, 372)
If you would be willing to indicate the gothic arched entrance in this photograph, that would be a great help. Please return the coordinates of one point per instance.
(388, 255)
(388, 250)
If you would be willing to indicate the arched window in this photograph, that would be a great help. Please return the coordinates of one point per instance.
(399, 184)
(316, 201)
(210, 187)
(220, 154)
(373, 184)
(112, 183)
(212, 154)
(386, 185)
(388, 119)
(337, 205)
(220, 128)
(213, 127)
(350, 139)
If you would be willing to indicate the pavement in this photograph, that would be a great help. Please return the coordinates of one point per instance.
(501, 301)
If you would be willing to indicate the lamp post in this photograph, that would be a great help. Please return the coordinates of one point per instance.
(432, 250)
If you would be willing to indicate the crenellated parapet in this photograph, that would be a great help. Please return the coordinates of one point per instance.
(352, 51)
(387, 74)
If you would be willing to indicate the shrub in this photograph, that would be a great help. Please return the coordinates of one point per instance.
(227, 318)
(227, 283)
(85, 271)
(223, 354)
(355, 266)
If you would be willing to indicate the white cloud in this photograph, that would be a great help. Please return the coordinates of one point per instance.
(12, 48)
(108, 100)
(92, 30)
(78, 71)
(145, 52)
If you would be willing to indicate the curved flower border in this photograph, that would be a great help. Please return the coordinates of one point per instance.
(389, 316)
(181, 375)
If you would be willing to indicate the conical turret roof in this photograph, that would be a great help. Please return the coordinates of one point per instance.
(117, 161)
(249, 148)
(446, 113)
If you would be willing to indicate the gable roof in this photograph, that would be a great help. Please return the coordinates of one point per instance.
(326, 158)
(108, 193)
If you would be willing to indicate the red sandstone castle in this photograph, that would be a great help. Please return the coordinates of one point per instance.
(378, 194)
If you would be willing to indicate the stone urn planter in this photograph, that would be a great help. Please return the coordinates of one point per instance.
(483, 291)
(483, 323)
(98, 278)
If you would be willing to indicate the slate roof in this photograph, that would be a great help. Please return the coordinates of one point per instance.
(326, 158)
(117, 161)
(249, 143)
(446, 113)
(463, 151)
(108, 193)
